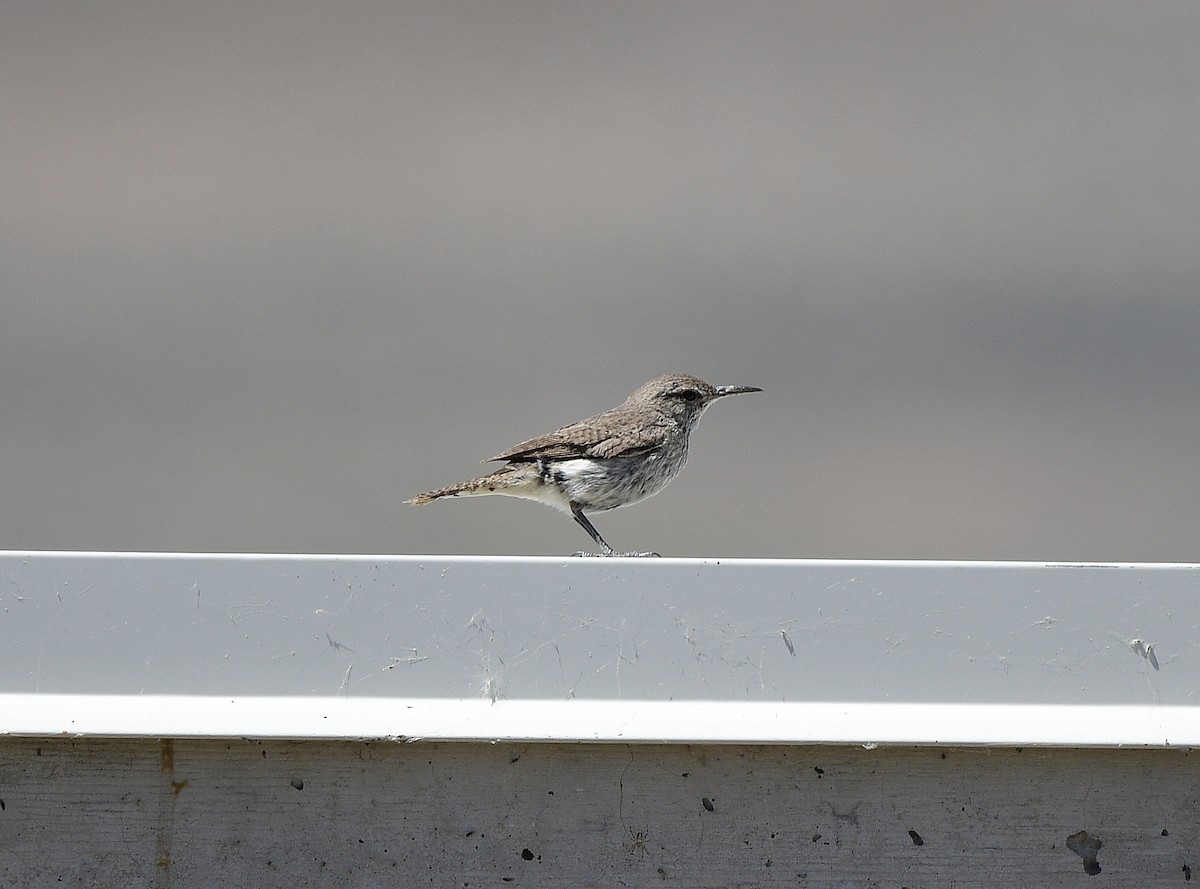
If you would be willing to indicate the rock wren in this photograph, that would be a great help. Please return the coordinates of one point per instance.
(613, 459)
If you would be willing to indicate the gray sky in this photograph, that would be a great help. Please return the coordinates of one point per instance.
(267, 270)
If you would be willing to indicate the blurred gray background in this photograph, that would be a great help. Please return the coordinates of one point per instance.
(267, 270)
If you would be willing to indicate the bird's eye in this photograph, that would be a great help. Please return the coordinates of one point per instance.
(688, 395)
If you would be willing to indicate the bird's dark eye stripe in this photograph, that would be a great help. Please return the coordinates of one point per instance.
(688, 394)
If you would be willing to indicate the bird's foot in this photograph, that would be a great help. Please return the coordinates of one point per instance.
(614, 553)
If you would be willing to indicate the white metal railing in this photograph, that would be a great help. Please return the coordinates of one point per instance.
(670, 650)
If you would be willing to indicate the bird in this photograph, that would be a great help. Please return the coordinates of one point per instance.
(614, 459)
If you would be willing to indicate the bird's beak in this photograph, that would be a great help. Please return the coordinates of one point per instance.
(735, 390)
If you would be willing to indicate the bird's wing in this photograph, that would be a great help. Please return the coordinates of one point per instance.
(606, 435)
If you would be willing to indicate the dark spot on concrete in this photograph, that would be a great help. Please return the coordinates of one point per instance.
(1164, 832)
(2, 805)
(514, 759)
(816, 836)
(469, 833)
(297, 783)
(527, 855)
(1086, 847)
(685, 774)
(850, 817)
(507, 879)
(707, 803)
(1187, 873)
(916, 838)
(820, 771)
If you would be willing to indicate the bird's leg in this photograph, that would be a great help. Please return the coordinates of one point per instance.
(595, 535)
(591, 529)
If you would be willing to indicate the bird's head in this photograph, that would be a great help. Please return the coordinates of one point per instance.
(683, 396)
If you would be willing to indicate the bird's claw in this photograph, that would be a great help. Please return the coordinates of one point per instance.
(614, 553)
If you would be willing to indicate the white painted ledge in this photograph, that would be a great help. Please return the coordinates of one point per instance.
(652, 722)
(610, 650)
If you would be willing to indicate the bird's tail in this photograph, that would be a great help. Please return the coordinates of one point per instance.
(514, 479)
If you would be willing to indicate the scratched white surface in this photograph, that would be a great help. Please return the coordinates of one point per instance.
(555, 629)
